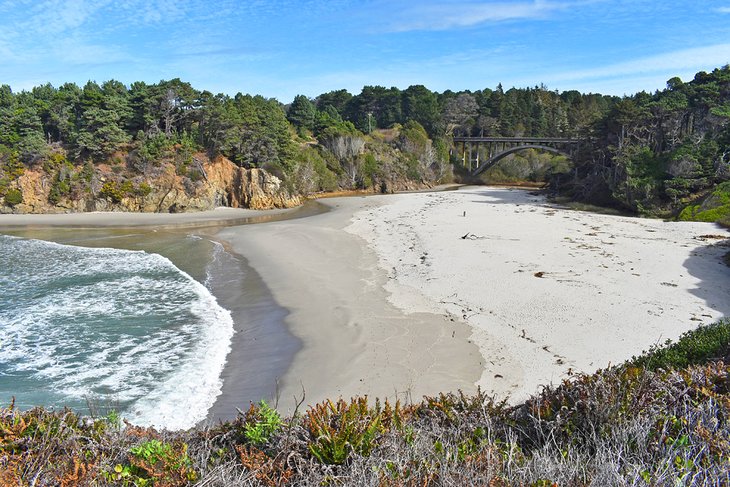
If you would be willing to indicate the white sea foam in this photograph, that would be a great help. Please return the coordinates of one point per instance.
(187, 389)
(125, 325)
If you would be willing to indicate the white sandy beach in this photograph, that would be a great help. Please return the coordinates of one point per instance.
(545, 290)
(412, 294)
(541, 291)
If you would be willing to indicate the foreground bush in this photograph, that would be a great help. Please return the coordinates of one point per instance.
(628, 425)
(698, 346)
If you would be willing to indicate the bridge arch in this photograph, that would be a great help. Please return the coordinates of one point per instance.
(500, 147)
(493, 160)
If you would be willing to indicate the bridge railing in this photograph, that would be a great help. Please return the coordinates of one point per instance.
(519, 140)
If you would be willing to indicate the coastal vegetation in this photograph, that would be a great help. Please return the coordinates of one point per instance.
(657, 154)
(659, 419)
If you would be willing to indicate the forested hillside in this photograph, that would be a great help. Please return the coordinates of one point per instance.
(110, 144)
(658, 153)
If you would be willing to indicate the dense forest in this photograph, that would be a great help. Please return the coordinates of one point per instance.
(659, 153)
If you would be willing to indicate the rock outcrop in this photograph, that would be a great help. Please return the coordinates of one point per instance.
(260, 190)
(217, 183)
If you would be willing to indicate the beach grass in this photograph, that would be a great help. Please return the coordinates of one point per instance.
(703, 344)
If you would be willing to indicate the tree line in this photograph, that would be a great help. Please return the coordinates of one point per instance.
(644, 151)
(655, 153)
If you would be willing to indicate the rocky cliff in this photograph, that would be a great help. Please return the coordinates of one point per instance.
(106, 188)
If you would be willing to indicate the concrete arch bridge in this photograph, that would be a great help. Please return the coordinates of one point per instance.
(497, 148)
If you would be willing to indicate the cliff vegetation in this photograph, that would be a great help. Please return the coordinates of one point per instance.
(662, 154)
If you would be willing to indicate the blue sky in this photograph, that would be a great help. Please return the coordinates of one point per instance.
(281, 48)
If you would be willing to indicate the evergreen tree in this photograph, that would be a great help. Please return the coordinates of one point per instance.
(302, 113)
(337, 99)
(421, 104)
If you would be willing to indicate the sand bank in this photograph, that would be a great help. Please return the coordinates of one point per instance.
(354, 341)
(224, 216)
(545, 290)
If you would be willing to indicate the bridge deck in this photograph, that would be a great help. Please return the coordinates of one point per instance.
(519, 140)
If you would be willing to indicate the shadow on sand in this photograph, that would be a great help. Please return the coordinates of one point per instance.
(706, 264)
(506, 196)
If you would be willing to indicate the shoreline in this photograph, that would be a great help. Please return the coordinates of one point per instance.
(262, 347)
(258, 319)
(218, 217)
(354, 342)
(405, 295)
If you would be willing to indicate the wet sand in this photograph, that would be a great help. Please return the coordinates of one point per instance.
(354, 341)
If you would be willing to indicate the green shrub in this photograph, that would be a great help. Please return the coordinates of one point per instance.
(342, 428)
(410, 163)
(308, 172)
(59, 189)
(11, 165)
(13, 197)
(696, 213)
(143, 189)
(371, 170)
(261, 422)
(116, 191)
(112, 191)
(156, 461)
(698, 346)
(715, 208)
(54, 161)
(70, 181)
(154, 147)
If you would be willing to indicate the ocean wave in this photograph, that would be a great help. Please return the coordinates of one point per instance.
(124, 326)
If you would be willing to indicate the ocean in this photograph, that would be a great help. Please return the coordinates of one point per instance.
(96, 328)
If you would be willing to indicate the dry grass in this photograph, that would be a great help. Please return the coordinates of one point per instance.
(622, 426)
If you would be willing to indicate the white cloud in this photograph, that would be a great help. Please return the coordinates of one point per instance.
(444, 16)
(697, 58)
(55, 16)
(723, 10)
